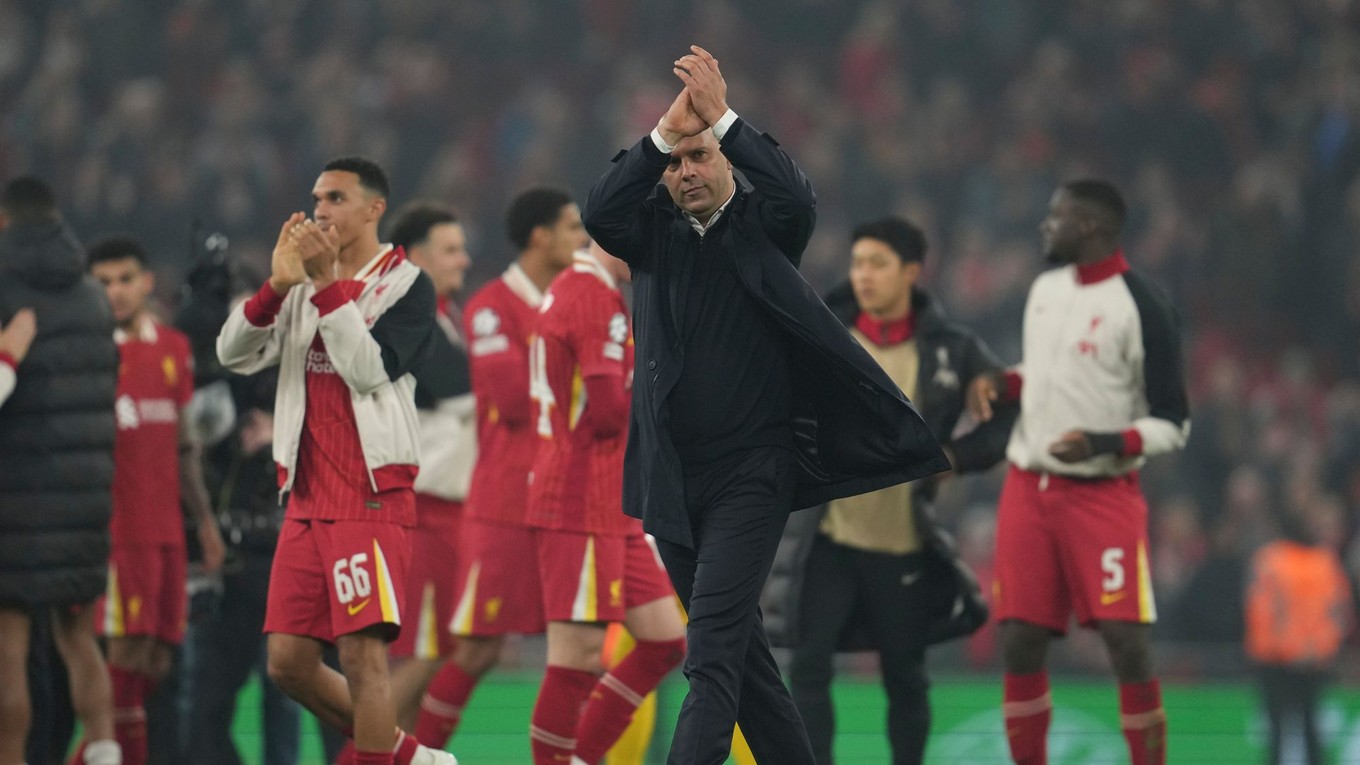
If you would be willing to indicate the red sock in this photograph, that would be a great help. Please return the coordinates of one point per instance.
(346, 754)
(372, 758)
(1144, 722)
(78, 757)
(442, 706)
(619, 693)
(405, 749)
(1028, 708)
(129, 716)
(552, 730)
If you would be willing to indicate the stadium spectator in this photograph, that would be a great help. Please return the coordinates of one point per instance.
(1101, 387)
(56, 443)
(877, 567)
(157, 470)
(435, 240)
(346, 448)
(714, 475)
(497, 594)
(596, 564)
(1299, 611)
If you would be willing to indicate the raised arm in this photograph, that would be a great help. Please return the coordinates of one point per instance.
(788, 203)
(249, 341)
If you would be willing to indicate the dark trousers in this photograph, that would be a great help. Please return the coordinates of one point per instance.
(738, 508)
(889, 592)
(1292, 697)
(226, 649)
(49, 692)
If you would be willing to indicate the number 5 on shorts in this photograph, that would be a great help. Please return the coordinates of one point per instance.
(1112, 563)
(355, 583)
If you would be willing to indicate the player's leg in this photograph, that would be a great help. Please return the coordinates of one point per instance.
(496, 595)
(14, 708)
(130, 660)
(409, 678)
(573, 669)
(296, 667)
(1032, 602)
(830, 591)
(1108, 571)
(363, 657)
(425, 643)
(896, 595)
(91, 688)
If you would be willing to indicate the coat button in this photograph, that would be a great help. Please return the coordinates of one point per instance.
(651, 365)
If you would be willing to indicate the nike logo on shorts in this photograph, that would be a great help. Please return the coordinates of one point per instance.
(1106, 598)
(357, 607)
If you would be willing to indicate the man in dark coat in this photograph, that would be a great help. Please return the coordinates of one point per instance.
(750, 398)
(56, 465)
(874, 571)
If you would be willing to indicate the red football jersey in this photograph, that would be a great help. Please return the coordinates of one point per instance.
(583, 331)
(332, 481)
(498, 322)
(155, 380)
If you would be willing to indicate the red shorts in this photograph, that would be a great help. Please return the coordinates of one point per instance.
(334, 578)
(147, 593)
(592, 578)
(430, 576)
(497, 589)
(1065, 545)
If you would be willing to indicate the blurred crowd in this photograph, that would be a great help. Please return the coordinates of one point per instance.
(1233, 126)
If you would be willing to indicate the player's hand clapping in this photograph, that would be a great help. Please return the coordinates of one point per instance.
(705, 84)
(320, 251)
(286, 270)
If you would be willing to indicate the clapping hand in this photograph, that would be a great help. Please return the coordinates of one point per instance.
(705, 84)
(320, 251)
(286, 270)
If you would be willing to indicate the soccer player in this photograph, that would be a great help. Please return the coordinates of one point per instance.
(345, 318)
(156, 469)
(497, 593)
(1101, 388)
(434, 240)
(595, 563)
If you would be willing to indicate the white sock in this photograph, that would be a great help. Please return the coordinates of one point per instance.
(578, 761)
(103, 752)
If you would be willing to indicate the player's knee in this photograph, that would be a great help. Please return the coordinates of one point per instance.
(476, 656)
(288, 671)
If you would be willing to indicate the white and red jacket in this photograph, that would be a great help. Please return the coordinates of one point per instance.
(375, 327)
(1102, 355)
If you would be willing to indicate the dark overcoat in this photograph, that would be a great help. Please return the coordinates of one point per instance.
(951, 356)
(854, 431)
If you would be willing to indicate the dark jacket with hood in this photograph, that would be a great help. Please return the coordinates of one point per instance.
(853, 429)
(57, 429)
(950, 357)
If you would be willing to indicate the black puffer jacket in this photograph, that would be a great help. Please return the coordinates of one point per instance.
(57, 429)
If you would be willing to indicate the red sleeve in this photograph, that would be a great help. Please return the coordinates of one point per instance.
(499, 362)
(1131, 443)
(1013, 384)
(8, 360)
(336, 294)
(606, 413)
(600, 334)
(263, 306)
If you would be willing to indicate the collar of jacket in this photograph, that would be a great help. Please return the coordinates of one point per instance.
(927, 315)
(885, 333)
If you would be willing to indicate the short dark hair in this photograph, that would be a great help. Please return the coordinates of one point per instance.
(27, 198)
(371, 175)
(1104, 197)
(905, 239)
(116, 247)
(539, 206)
(414, 221)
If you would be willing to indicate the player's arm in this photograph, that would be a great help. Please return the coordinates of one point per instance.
(15, 339)
(193, 492)
(250, 341)
(598, 343)
(984, 445)
(370, 359)
(1167, 423)
(788, 211)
